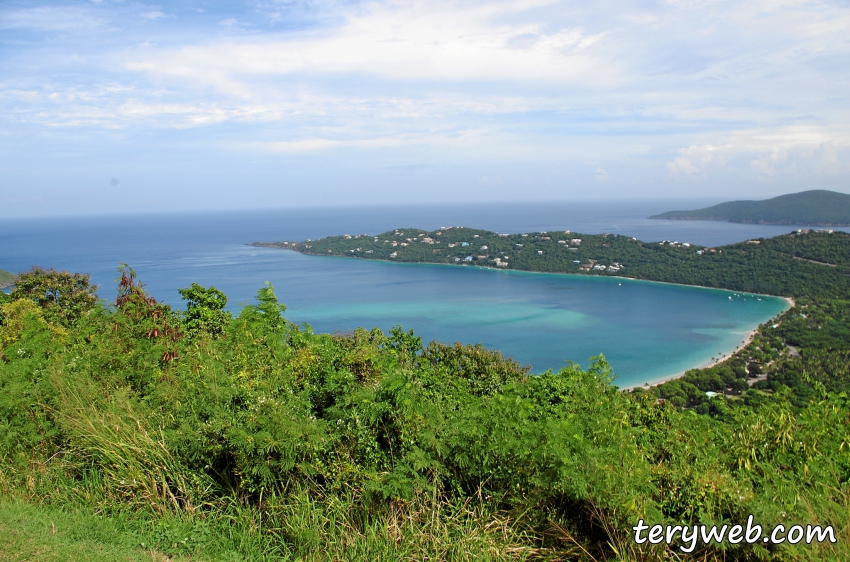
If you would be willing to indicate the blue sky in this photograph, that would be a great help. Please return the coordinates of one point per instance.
(121, 106)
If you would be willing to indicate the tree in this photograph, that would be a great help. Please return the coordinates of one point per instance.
(64, 297)
(404, 343)
(204, 311)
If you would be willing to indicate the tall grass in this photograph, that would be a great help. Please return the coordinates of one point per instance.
(111, 434)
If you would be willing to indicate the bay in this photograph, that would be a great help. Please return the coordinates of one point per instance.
(646, 330)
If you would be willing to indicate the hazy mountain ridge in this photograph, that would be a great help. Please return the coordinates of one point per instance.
(807, 208)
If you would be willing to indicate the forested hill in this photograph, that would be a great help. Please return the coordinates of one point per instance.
(6, 278)
(815, 208)
(810, 263)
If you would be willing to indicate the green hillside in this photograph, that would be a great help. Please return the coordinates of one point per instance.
(815, 264)
(6, 278)
(813, 208)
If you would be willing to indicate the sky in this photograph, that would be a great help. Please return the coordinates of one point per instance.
(122, 106)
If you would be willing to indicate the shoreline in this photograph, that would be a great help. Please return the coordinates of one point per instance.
(710, 363)
(704, 365)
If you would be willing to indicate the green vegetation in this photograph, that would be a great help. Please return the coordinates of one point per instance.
(7, 278)
(812, 264)
(815, 208)
(805, 349)
(49, 534)
(202, 435)
(63, 297)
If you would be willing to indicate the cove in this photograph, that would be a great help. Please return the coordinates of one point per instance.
(648, 331)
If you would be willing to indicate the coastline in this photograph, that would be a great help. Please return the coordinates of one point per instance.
(704, 365)
(710, 363)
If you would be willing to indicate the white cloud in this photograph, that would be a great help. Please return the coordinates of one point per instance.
(311, 145)
(50, 18)
(490, 180)
(154, 15)
(791, 151)
(600, 174)
(682, 166)
(408, 41)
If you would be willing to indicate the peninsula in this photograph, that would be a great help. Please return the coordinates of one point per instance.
(809, 208)
(814, 263)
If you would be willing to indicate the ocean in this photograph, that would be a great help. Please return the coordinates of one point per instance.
(646, 330)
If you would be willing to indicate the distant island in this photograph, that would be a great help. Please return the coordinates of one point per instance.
(812, 262)
(7, 278)
(807, 208)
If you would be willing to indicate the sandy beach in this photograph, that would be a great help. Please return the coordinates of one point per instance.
(710, 363)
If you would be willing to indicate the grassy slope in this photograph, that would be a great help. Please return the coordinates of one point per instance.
(789, 265)
(48, 534)
(816, 207)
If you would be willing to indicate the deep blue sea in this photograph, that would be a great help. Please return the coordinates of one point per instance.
(646, 330)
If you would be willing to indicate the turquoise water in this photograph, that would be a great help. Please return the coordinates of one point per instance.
(646, 330)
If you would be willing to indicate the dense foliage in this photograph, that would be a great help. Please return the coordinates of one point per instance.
(250, 437)
(62, 296)
(805, 348)
(811, 264)
(817, 208)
